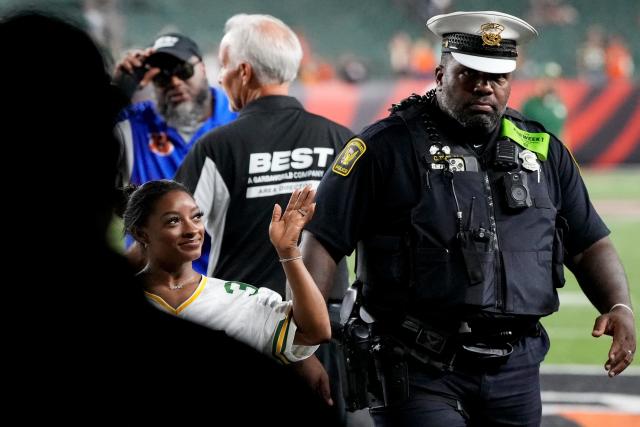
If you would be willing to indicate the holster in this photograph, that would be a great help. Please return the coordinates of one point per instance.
(392, 370)
(353, 335)
(356, 369)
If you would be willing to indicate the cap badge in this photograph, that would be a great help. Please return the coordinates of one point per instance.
(491, 34)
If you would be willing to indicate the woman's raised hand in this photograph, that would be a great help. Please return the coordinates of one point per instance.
(285, 227)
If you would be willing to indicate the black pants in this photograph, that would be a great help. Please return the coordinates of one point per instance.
(475, 394)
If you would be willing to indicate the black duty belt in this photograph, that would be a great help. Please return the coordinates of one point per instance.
(488, 341)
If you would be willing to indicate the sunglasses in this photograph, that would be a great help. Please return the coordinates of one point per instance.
(182, 70)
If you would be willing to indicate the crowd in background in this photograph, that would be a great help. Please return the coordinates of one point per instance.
(604, 53)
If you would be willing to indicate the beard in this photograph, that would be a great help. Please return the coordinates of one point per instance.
(470, 120)
(188, 114)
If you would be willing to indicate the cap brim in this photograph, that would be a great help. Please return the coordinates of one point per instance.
(485, 64)
(180, 54)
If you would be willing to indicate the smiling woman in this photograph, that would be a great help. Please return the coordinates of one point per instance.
(165, 219)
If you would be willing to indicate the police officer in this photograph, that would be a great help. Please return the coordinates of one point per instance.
(463, 213)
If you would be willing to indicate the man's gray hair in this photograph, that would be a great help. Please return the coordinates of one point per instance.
(265, 42)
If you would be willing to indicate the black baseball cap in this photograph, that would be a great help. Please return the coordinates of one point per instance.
(177, 45)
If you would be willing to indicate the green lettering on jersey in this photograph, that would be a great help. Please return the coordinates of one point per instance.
(230, 287)
(538, 142)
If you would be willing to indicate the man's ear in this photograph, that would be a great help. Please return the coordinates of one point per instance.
(246, 73)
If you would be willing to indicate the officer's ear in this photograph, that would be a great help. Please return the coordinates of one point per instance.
(439, 73)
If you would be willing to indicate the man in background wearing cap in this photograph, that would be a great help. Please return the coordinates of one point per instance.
(463, 213)
(158, 135)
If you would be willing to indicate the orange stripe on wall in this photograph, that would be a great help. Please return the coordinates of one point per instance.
(572, 93)
(588, 121)
(624, 144)
(402, 89)
(597, 419)
(520, 91)
(335, 100)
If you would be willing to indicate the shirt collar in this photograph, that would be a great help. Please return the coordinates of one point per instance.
(270, 103)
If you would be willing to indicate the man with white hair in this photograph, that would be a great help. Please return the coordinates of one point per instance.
(237, 172)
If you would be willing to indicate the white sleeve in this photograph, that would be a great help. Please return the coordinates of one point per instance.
(278, 328)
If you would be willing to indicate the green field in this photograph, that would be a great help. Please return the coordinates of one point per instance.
(623, 184)
(570, 328)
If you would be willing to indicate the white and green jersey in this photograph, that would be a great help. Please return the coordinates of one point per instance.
(255, 316)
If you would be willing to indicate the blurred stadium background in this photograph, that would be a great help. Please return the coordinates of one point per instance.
(360, 56)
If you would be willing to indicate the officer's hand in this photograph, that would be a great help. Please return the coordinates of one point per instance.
(620, 325)
(314, 374)
(134, 64)
(285, 228)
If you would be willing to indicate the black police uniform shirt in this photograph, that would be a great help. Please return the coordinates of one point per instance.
(239, 171)
(375, 183)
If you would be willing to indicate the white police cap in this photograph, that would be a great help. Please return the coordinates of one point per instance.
(485, 41)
